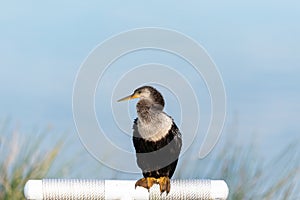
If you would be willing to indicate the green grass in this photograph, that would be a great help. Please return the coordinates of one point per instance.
(23, 158)
(247, 174)
(251, 177)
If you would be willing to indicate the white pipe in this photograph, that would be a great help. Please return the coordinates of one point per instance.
(47, 189)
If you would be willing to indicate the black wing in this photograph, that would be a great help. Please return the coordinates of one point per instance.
(157, 158)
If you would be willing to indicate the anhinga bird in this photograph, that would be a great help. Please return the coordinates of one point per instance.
(156, 139)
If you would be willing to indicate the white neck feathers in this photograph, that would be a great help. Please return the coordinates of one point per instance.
(155, 129)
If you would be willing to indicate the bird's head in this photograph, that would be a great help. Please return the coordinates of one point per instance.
(146, 92)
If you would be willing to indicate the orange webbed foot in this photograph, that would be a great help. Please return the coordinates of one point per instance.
(164, 184)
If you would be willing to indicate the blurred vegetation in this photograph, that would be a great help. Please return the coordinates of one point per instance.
(23, 157)
(249, 176)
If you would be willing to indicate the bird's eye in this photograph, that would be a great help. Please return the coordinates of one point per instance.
(139, 92)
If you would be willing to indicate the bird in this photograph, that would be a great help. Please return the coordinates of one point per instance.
(156, 138)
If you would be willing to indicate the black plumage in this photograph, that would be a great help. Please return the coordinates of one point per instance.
(157, 164)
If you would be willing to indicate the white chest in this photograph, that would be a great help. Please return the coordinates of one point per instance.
(156, 129)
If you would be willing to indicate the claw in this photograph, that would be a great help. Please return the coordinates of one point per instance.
(164, 184)
(146, 182)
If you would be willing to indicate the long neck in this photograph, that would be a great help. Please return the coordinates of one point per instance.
(147, 109)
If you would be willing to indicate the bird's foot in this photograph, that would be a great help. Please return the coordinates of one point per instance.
(164, 184)
(146, 182)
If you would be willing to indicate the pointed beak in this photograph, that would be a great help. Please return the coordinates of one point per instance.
(133, 96)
